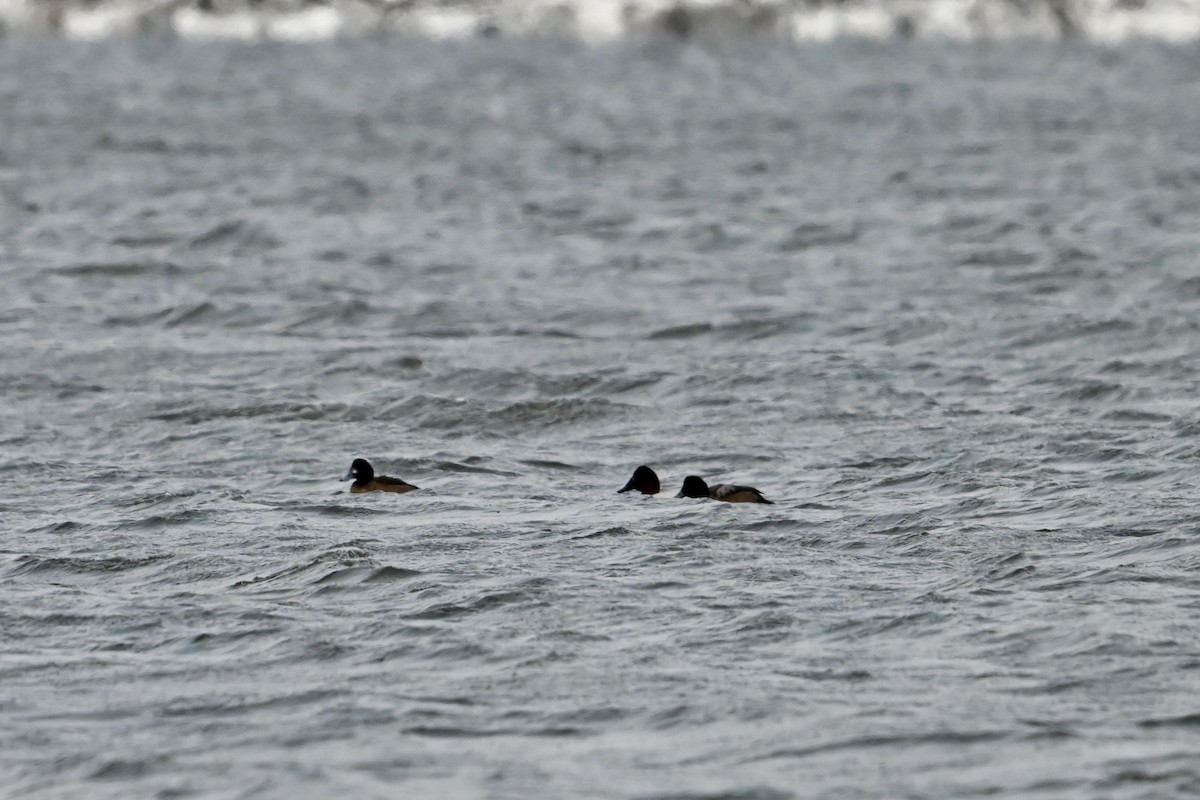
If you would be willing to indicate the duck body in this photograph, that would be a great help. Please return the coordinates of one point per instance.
(365, 480)
(694, 486)
(644, 480)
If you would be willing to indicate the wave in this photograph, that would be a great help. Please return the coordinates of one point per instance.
(201, 314)
(346, 565)
(119, 269)
(82, 565)
(237, 237)
(197, 414)
(459, 416)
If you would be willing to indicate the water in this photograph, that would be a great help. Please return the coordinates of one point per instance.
(940, 303)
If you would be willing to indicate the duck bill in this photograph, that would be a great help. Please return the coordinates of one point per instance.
(625, 488)
(681, 494)
(349, 476)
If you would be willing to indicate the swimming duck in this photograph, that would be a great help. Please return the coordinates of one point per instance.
(365, 479)
(644, 480)
(694, 486)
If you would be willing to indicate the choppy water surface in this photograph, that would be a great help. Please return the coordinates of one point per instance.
(940, 303)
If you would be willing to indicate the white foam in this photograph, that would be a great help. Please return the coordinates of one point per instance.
(826, 23)
(100, 22)
(1108, 21)
(12, 12)
(943, 19)
(1168, 21)
(443, 23)
(194, 24)
(600, 20)
(310, 25)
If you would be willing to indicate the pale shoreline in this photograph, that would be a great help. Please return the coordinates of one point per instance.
(1102, 21)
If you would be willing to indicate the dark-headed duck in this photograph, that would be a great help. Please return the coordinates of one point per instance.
(365, 479)
(694, 486)
(644, 480)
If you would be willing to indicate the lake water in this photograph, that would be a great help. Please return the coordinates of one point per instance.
(940, 302)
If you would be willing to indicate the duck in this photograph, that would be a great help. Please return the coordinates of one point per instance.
(694, 486)
(365, 479)
(644, 480)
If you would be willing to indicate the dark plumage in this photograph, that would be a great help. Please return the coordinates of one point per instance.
(365, 479)
(694, 486)
(644, 480)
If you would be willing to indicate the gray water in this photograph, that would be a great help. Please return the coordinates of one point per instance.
(940, 303)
